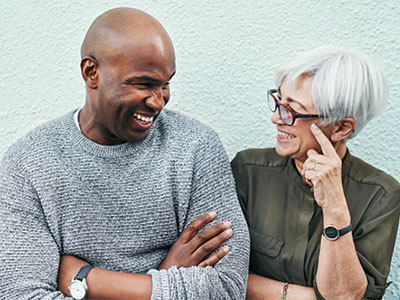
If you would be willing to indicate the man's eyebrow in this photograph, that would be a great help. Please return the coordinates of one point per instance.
(144, 78)
(147, 79)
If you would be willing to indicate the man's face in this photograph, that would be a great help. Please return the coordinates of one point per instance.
(133, 88)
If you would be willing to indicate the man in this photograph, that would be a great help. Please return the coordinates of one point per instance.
(115, 185)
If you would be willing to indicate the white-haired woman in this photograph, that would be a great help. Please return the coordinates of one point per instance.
(323, 223)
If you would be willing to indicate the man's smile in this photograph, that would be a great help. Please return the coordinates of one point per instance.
(143, 118)
(142, 121)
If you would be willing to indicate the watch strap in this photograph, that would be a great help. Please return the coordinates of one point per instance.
(83, 272)
(345, 230)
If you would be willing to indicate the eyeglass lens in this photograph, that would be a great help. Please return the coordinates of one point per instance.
(284, 113)
(272, 103)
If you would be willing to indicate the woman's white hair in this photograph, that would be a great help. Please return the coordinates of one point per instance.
(345, 84)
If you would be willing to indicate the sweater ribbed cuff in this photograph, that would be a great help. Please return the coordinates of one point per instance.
(160, 284)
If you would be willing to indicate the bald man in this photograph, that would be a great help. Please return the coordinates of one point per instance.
(127, 199)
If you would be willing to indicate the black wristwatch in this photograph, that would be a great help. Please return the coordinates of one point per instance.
(332, 233)
(78, 286)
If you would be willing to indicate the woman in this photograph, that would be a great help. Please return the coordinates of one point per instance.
(323, 223)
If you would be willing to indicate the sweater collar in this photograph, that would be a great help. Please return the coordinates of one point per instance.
(80, 141)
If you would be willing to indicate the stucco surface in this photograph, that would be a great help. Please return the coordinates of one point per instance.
(227, 53)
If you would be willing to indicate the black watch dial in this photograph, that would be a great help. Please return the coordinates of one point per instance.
(331, 233)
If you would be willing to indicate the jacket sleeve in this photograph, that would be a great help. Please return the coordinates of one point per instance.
(29, 255)
(375, 238)
(213, 189)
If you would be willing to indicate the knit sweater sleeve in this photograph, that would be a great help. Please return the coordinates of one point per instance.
(212, 190)
(29, 256)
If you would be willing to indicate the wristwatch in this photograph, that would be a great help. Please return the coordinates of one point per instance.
(78, 286)
(332, 233)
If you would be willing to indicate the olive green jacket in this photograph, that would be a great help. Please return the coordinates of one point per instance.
(286, 223)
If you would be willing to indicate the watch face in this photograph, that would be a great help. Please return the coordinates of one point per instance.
(331, 233)
(77, 289)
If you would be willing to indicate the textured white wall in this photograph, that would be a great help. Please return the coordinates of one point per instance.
(227, 53)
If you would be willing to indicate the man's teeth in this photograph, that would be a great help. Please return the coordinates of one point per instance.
(286, 136)
(142, 118)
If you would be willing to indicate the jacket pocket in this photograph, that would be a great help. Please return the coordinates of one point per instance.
(265, 244)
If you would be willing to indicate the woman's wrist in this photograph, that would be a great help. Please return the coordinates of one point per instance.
(338, 215)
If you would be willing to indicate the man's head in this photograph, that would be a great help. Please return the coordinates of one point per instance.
(127, 62)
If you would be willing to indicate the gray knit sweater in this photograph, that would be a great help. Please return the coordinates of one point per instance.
(117, 207)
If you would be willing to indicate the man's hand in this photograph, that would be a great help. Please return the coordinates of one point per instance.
(69, 267)
(191, 248)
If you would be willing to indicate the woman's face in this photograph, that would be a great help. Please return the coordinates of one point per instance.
(296, 140)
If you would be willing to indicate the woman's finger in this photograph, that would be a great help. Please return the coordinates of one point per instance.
(310, 164)
(325, 143)
(312, 152)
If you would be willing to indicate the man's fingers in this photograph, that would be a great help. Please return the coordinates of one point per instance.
(196, 225)
(326, 145)
(208, 247)
(216, 257)
(209, 233)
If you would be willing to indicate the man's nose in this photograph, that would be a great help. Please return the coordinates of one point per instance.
(156, 100)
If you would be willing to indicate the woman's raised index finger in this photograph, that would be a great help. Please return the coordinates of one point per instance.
(326, 145)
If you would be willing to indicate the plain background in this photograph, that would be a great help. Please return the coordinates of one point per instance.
(227, 54)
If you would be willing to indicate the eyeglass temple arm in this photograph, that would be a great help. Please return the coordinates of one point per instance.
(307, 116)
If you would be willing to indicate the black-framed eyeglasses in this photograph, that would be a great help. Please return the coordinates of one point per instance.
(286, 113)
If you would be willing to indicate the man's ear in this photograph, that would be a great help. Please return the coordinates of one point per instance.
(342, 129)
(90, 71)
